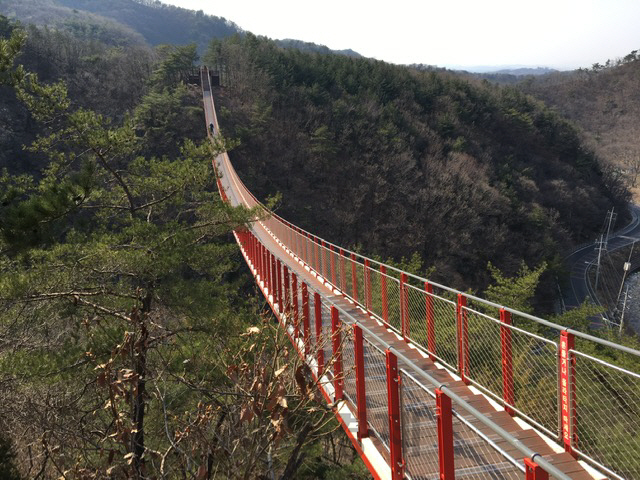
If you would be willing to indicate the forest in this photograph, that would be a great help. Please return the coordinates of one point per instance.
(603, 102)
(402, 161)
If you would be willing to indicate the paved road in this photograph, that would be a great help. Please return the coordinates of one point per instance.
(579, 261)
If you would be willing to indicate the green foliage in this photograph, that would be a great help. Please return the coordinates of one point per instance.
(175, 66)
(9, 49)
(406, 161)
(516, 292)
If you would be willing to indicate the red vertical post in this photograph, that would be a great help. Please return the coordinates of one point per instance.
(367, 286)
(361, 400)
(463, 338)
(274, 279)
(255, 253)
(393, 404)
(317, 306)
(384, 294)
(265, 270)
(294, 293)
(567, 390)
(445, 436)
(336, 340)
(305, 319)
(508, 394)
(404, 313)
(260, 262)
(343, 273)
(332, 261)
(533, 471)
(279, 288)
(431, 320)
(287, 297)
(354, 280)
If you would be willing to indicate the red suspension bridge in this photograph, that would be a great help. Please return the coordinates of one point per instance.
(432, 383)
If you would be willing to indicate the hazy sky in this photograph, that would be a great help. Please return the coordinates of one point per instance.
(562, 34)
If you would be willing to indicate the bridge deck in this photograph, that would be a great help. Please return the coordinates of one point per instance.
(420, 441)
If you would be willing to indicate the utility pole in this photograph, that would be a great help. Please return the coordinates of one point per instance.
(624, 306)
(626, 267)
(610, 214)
(600, 243)
(603, 244)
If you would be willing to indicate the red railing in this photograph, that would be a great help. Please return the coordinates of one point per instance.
(540, 371)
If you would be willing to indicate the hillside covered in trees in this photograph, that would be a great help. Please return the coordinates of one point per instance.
(604, 101)
(392, 161)
(134, 22)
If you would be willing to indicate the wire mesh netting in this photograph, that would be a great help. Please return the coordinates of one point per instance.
(474, 455)
(446, 333)
(375, 372)
(477, 458)
(348, 364)
(375, 284)
(326, 337)
(417, 315)
(393, 299)
(528, 379)
(607, 426)
(419, 429)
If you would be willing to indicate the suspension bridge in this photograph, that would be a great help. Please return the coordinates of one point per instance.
(431, 383)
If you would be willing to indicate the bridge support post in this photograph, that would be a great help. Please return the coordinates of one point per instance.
(343, 273)
(431, 320)
(404, 311)
(296, 316)
(463, 340)
(367, 286)
(279, 288)
(317, 306)
(265, 270)
(354, 280)
(305, 319)
(566, 390)
(273, 282)
(533, 471)
(361, 400)
(287, 297)
(395, 429)
(507, 361)
(252, 247)
(445, 435)
(260, 261)
(336, 340)
(384, 294)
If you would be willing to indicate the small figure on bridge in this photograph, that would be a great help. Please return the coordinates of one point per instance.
(211, 128)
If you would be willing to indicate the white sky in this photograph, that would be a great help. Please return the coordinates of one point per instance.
(563, 34)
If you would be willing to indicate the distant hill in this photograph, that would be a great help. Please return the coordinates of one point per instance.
(526, 71)
(150, 21)
(314, 47)
(127, 22)
(604, 102)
